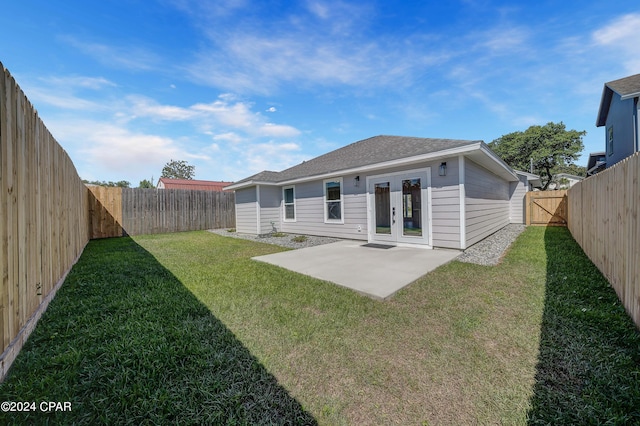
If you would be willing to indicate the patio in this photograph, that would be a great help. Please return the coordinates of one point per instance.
(378, 272)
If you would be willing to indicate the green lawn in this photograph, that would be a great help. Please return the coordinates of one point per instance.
(186, 328)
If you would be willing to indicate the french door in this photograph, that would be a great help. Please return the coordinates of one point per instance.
(398, 207)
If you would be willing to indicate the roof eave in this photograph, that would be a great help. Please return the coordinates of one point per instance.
(248, 184)
(387, 164)
(490, 160)
(500, 168)
(630, 96)
(605, 103)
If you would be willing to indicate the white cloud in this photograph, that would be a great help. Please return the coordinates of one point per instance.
(145, 107)
(253, 63)
(320, 9)
(269, 156)
(209, 9)
(325, 44)
(129, 57)
(60, 99)
(503, 40)
(238, 115)
(63, 91)
(622, 31)
(622, 38)
(231, 137)
(84, 82)
(271, 109)
(111, 152)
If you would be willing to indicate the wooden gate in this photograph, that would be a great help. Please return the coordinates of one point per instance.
(547, 208)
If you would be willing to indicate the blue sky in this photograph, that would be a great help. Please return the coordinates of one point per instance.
(238, 86)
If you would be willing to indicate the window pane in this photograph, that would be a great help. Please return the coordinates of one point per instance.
(411, 207)
(333, 210)
(288, 195)
(383, 208)
(333, 190)
(289, 212)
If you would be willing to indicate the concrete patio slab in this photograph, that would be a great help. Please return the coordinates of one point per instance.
(376, 272)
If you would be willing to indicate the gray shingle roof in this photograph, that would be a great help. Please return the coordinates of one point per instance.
(627, 87)
(264, 176)
(374, 150)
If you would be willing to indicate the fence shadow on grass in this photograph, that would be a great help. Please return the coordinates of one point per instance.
(589, 362)
(126, 343)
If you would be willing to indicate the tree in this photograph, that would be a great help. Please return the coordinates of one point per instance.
(121, 184)
(146, 183)
(175, 169)
(550, 149)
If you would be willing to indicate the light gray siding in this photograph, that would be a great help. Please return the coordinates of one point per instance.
(486, 203)
(487, 206)
(445, 205)
(517, 192)
(246, 210)
(310, 210)
(270, 207)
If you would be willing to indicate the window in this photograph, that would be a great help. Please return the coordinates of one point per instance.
(610, 140)
(289, 197)
(333, 200)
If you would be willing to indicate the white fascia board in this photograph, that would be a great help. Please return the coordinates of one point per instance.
(389, 164)
(630, 96)
(527, 174)
(249, 184)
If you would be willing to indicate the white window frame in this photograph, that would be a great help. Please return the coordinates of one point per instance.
(285, 204)
(326, 202)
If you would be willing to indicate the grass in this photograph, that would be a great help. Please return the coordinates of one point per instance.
(185, 328)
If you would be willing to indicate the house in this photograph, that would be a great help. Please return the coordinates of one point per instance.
(388, 189)
(192, 184)
(564, 181)
(597, 162)
(618, 113)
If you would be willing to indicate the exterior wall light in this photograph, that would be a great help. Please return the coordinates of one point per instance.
(356, 181)
(443, 169)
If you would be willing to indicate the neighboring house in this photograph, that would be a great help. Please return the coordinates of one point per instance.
(200, 185)
(597, 163)
(526, 182)
(564, 181)
(619, 114)
(391, 190)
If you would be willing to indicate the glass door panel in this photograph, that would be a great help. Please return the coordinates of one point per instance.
(382, 208)
(411, 207)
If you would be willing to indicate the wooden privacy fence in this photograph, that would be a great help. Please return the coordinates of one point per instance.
(47, 216)
(43, 218)
(115, 212)
(603, 219)
(546, 208)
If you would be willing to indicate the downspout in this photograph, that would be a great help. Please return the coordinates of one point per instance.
(463, 203)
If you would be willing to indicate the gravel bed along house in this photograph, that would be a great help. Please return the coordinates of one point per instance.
(487, 252)
(284, 240)
(490, 250)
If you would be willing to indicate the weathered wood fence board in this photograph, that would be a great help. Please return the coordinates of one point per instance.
(546, 208)
(603, 219)
(136, 211)
(105, 212)
(43, 217)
